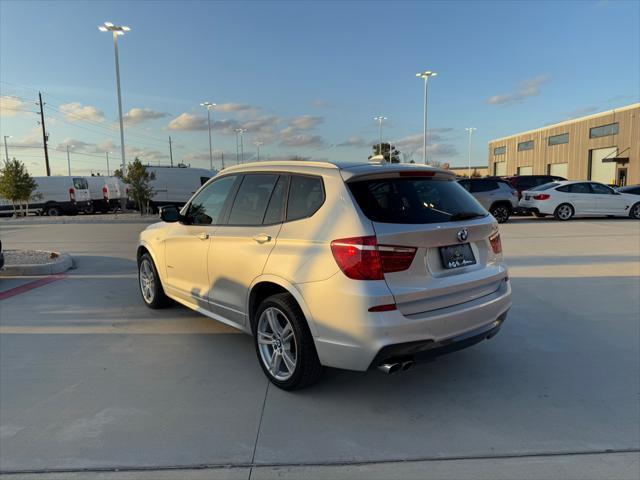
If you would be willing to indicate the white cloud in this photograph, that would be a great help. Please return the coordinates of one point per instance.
(320, 103)
(291, 137)
(353, 142)
(139, 115)
(412, 145)
(528, 88)
(188, 122)
(75, 112)
(11, 106)
(233, 107)
(306, 122)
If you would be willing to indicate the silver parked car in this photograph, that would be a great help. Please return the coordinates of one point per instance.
(353, 266)
(496, 195)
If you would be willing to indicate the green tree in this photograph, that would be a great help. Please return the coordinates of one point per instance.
(139, 180)
(17, 186)
(390, 152)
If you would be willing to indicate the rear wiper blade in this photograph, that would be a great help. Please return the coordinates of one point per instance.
(465, 216)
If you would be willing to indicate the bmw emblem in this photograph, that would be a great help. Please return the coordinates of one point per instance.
(463, 235)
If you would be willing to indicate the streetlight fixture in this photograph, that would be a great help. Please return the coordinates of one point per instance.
(117, 30)
(6, 149)
(209, 106)
(240, 132)
(69, 159)
(470, 130)
(425, 76)
(381, 119)
(258, 144)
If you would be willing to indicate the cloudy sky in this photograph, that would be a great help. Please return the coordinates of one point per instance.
(305, 79)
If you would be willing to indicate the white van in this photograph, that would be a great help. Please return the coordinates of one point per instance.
(105, 193)
(61, 196)
(176, 185)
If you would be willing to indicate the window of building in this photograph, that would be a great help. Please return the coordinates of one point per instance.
(559, 139)
(500, 150)
(525, 145)
(604, 130)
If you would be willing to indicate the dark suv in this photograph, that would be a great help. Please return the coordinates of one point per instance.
(527, 182)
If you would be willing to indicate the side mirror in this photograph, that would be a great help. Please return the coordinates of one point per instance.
(169, 214)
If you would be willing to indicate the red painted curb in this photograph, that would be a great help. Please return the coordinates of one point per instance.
(31, 285)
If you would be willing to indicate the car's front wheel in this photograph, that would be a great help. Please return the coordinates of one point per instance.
(635, 211)
(563, 212)
(150, 286)
(284, 344)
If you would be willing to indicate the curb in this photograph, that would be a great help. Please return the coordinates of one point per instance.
(62, 263)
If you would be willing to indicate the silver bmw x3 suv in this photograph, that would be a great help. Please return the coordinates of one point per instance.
(347, 265)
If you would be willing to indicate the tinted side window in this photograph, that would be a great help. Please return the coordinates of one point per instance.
(466, 184)
(206, 206)
(601, 189)
(483, 186)
(306, 195)
(563, 188)
(579, 188)
(251, 200)
(204, 180)
(541, 180)
(275, 209)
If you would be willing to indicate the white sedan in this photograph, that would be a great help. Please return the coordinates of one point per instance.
(568, 199)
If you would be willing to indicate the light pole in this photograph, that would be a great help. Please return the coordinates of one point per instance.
(240, 132)
(425, 75)
(69, 159)
(209, 106)
(117, 30)
(6, 149)
(470, 130)
(381, 119)
(258, 144)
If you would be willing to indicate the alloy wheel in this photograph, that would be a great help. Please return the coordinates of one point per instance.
(635, 213)
(564, 212)
(277, 343)
(147, 281)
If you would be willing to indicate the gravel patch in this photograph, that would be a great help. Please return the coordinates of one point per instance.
(29, 257)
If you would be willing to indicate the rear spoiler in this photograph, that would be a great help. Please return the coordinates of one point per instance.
(417, 172)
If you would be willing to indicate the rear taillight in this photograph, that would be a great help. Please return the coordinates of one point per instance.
(496, 244)
(105, 193)
(361, 258)
(542, 196)
(72, 194)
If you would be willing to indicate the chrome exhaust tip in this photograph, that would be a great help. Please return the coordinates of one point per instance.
(407, 365)
(390, 368)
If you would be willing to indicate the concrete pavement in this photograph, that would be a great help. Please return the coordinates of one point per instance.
(91, 379)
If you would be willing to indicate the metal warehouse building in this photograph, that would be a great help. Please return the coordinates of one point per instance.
(604, 147)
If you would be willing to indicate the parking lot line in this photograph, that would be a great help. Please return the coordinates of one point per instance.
(31, 285)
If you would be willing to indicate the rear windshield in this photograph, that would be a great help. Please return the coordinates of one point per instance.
(545, 186)
(414, 200)
(80, 183)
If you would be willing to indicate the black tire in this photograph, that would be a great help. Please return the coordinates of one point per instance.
(308, 369)
(634, 212)
(564, 212)
(501, 212)
(157, 299)
(53, 210)
(539, 215)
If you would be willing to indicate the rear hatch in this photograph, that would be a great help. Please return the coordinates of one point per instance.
(456, 243)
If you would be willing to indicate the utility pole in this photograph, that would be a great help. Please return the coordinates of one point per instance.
(425, 76)
(45, 137)
(108, 174)
(470, 130)
(68, 160)
(240, 131)
(170, 151)
(6, 149)
(258, 144)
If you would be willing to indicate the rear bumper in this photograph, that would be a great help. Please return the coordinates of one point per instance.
(348, 336)
(425, 350)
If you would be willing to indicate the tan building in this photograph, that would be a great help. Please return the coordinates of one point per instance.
(604, 147)
(477, 171)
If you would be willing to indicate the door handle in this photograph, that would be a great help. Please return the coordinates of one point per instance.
(262, 238)
(203, 236)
